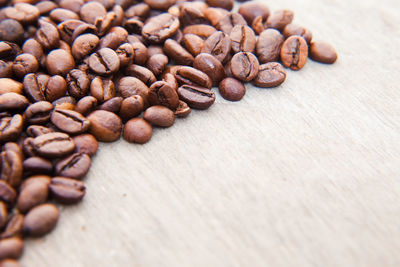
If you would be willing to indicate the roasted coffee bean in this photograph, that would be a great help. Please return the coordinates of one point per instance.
(11, 30)
(37, 165)
(84, 45)
(141, 10)
(40, 87)
(27, 147)
(69, 121)
(14, 226)
(170, 79)
(104, 62)
(75, 166)
(210, 66)
(11, 248)
(9, 51)
(159, 116)
(67, 190)
(5, 71)
(47, 35)
(214, 15)
(83, 29)
(86, 105)
(33, 193)
(53, 145)
(38, 113)
(193, 43)
(162, 93)
(191, 15)
(7, 193)
(232, 89)
(160, 4)
(134, 25)
(13, 102)
(225, 4)
(78, 83)
(129, 86)
(138, 131)
(219, 45)
(67, 28)
(140, 54)
(105, 125)
(66, 102)
(3, 214)
(269, 45)
(11, 146)
(229, 21)
(270, 75)
(202, 30)
(179, 54)
(114, 38)
(125, 54)
(279, 19)
(59, 62)
(10, 86)
(61, 14)
(33, 47)
(157, 63)
(11, 128)
(73, 5)
(183, 110)
(40, 220)
(11, 167)
(24, 64)
(251, 10)
(104, 23)
(323, 52)
(112, 105)
(244, 66)
(102, 89)
(91, 10)
(154, 50)
(294, 52)
(294, 29)
(192, 76)
(243, 39)
(159, 28)
(142, 73)
(22, 12)
(131, 107)
(36, 130)
(86, 143)
(196, 97)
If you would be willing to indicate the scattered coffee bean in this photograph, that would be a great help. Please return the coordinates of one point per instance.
(294, 52)
(66, 190)
(279, 19)
(102, 89)
(192, 76)
(11, 167)
(59, 62)
(69, 121)
(86, 105)
(37, 165)
(159, 116)
(271, 74)
(232, 89)
(269, 46)
(38, 113)
(219, 45)
(86, 143)
(210, 66)
(243, 39)
(294, 29)
(105, 125)
(138, 131)
(161, 27)
(162, 93)
(196, 97)
(33, 193)
(179, 54)
(323, 52)
(11, 248)
(40, 220)
(244, 66)
(75, 166)
(183, 110)
(104, 62)
(53, 145)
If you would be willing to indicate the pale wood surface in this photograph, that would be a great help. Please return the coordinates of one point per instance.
(303, 175)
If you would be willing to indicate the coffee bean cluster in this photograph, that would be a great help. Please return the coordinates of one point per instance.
(75, 72)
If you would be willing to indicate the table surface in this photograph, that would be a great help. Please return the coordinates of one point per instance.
(306, 174)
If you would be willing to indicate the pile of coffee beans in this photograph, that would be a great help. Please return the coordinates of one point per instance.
(75, 72)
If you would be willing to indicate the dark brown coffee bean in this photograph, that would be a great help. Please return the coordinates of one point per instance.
(134, 25)
(61, 14)
(102, 89)
(11, 146)
(157, 63)
(229, 21)
(53, 145)
(11, 167)
(279, 19)
(202, 30)
(210, 66)
(59, 62)
(27, 147)
(159, 116)
(225, 4)
(192, 76)
(232, 89)
(75, 166)
(86, 143)
(193, 43)
(84, 45)
(183, 110)
(140, 54)
(5, 70)
(24, 64)
(69, 121)
(11, 248)
(161, 27)
(41, 220)
(67, 29)
(66, 102)
(179, 54)
(47, 35)
(33, 193)
(78, 83)
(11, 128)
(3, 214)
(160, 4)
(104, 62)
(11, 30)
(22, 12)
(294, 29)
(36, 130)
(129, 86)
(138, 131)
(269, 45)
(219, 45)
(10, 86)
(91, 10)
(66, 190)
(14, 226)
(7, 193)
(294, 52)
(244, 66)
(125, 54)
(114, 38)
(161, 93)
(9, 51)
(214, 15)
(105, 125)
(37, 165)
(243, 39)
(142, 73)
(33, 47)
(38, 113)
(271, 74)
(251, 10)
(196, 97)
(323, 52)
(86, 105)
(131, 107)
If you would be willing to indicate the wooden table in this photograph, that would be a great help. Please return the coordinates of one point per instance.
(303, 175)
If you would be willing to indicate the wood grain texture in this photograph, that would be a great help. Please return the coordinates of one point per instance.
(304, 175)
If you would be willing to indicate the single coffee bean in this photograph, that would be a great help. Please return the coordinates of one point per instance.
(142, 73)
(75, 166)
(191, 15)
(294, 52)
(102, 89)
(36, 130)
(53, 145)
(27, 147)
(84, 45)
(271, 74)
(83, 29)
(7, 193)
(10, 86)
(179, 54)
(78, 83)
(162, 93)
(125, 54)
(11, 146)
(219, 45)
(59, 62)
(159, 28)
(86, 143)
(33, 47)
(67, 190)
(196, 97)
(114, 38)
(73, 5)
(251, 10)
(14, 227)
(210, 66)
(3, 214)
(159, 116)
(225, 4)
(13, 102)
(214, 15)
(37, 165)
(160, 4)
(193, 43)
(11, 248)
(129, 86)
(66, 29)
(243, 39)
(269, 45)
(46, 6)
(47, 35)
(113, 105)
(66, 102)
(91, 10)
(192, 76)
(60, 14)
(5, 71)
(323, 52)
(138, 131)
(105, 125)
(229, 21)
(69, 121)
(11, 128)
(140, 54)
(183, 110)
(104, 62)
(38, 113)
(22, 12)
(86, 105)
(157, 63)
(131, 107)
(279, 19)
(11, 30)
(244, 66)
(232, 89)
(33, 193)
(202, 30)
(141, 10)
(11, 168)
(294, 29)
(41, 220)
(24, 64)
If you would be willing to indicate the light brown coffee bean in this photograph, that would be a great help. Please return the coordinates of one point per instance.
(86, 105)
(38, 113)
(269, 46)
(11, 128)
(138, 131)
(37, 165)
(105, 125)
(294, 53)
(323, 52)
(244, 66)
(196, 97)
(11, 248)
(162, 93)
(86, 143)
(142, 73)
(33, 193)
(59, 62)
(159, 28)
(219, 45)
(210, 66)
(8, 85)
(102, 89)
(279, 19)
(131, 107)
(41, 220)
